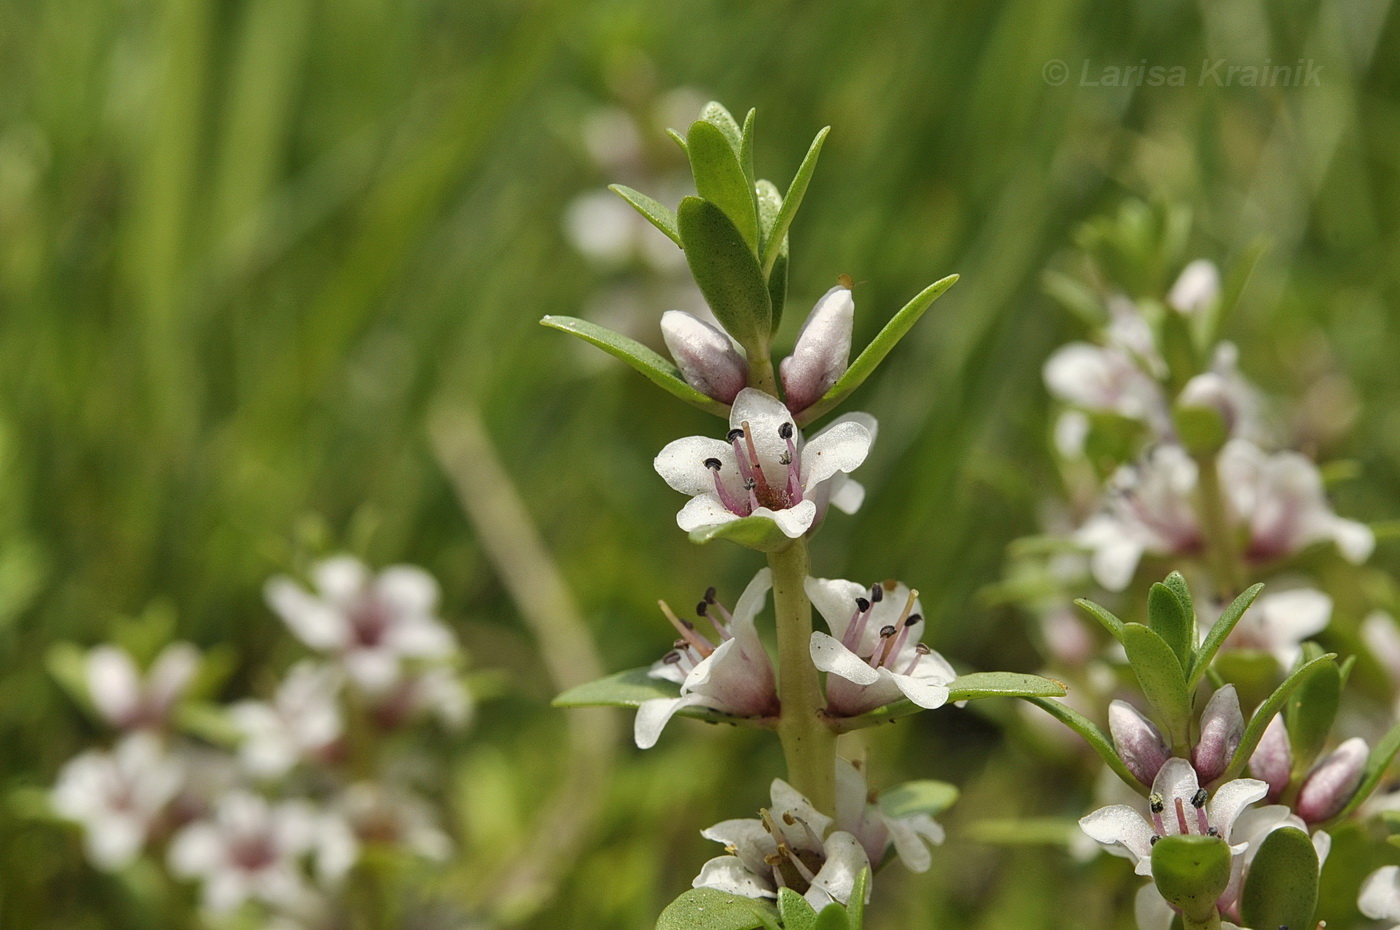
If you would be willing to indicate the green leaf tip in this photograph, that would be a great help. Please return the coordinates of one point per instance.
(727, 273)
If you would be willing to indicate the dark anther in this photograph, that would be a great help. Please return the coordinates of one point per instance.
(710, 594)
(785, 431)
(862, 604)
(671, 658)
(887, 631)
(1198, 800)
(713, 464)
(1157, 803)
(701, 607)
(923, 649)
(687, 624)
(785, 459)
(789, 819)
(913, 619)
(735, 433)
(1153, 841)
(877, 594)
(750, 484)
(1212, 832)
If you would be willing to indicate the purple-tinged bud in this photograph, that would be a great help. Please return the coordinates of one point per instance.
(1138, 743)
(1222, 728)
(1332, 782)
(1197, 287)
(823, 350)
(1272, 761)
(706, 357)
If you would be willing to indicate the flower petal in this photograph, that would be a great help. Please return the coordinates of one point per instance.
(845, 860)
(1151, 909)
(909, 835)
(835, 600)
(926, 693)
(728, 874)
(840, 447)
(407, 589)
(1232, 798)
(1380, 894)
(653, 715)
(1177, 779)
(829, 655)
(113, 683)
(681, 464)
(793, 521)
(705, 510)
(1125, 833)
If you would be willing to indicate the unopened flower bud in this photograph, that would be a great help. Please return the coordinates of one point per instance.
(706, 357)
(1138, 743)
(1197, 287)
(1222, 728)
(1330, 785)
(823, 350)
(1206, 413)
(1272, 760)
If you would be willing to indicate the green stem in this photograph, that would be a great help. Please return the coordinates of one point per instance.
(809, 746)
(1211, 507)
(1210, 923)
(761, 374)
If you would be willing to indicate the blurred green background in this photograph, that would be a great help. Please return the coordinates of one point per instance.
(249, 249)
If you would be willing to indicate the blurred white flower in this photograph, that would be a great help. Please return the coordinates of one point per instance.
(1197, 287)
(763, 468)
(252, 850)
(302, 721)
(379, 814)
(1278, 622)
(374, 624)
(118, 797)
(859, 813)
(873, 655)
(1380, 894)
(437, 691)
(127, 699)
(791, 845)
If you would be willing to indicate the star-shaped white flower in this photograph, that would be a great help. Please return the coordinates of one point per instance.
(125, 697)
(301, 722)
(1380, 894)
(873, 655)
(1178, 805)
(734, 676)
(763, 468)
(791, 845)
(859, 814)
(373, 623)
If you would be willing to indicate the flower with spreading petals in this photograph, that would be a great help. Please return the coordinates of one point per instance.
(859, 813)
(1380, 894)
(763, 468)
(129, 700)
(118, 797)
(873, 655)
(372, 623)
(791, 845)
(823, 349)
(734, 676)
(252, 850)
(303, 721)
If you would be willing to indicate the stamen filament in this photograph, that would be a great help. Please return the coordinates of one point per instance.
(725, 498)
(856, 628)
(687, 630)
(764, 491)
(1181, 817)
(794, 468)
(740, 458)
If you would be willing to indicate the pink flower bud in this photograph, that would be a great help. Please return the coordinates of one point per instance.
(1273, 759)
(823, 350)
(706, 357)
(1222, 727)
(1138, 743)
(1332, 782)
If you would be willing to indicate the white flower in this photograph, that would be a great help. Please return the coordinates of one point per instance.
(1107, 379)
(874, 656)
(1279, 621)
(436, 691)
(378, 814)
(118, 797)
(302, 721)
(1197, 287)
(127, 699)
(763, 468)
(733, 677)
(1178, 805)
(859, 814)
(253, 850)
(791, 845)
(372, 623)
(1380, 894)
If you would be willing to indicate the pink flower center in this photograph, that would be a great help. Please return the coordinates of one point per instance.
(758, 490)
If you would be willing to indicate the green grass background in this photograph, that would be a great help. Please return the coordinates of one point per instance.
(248, 248)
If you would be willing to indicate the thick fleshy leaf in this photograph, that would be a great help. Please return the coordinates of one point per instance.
(653, 366)
(727, 273)
(770, 206)
(711, 909)
(1218, 634)
(621, 689)
(794, 910)
(832, 917)
(918, 797)
(718, 115)
(1376, 765)
(879, 347)
(654, 211)
(1103, 615)
(855, 910)
(1172, 620)
(1281, 887)
(758, 533)
(720, 179)
(1179, 349)
(746, 143)
(1254, 731)
(1097, 739)
(1310, 712)
(796, 191)
(1191, 872)
(1159, 673)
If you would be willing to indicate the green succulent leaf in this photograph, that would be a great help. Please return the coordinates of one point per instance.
(1097, 739)
(1310, 712)
(1281, 888)
(1103, 615)
(873, 354)
(711, 909)
(770, 204)
(1172, 620)
(620, 689)
(794, 910)
(970, 687)
(1201, 429)
(832, 917)
(727, 273)
(654, 367)
(796, 191)
(1219, 633)
(655, 212)
(1179, 349)
(1376, 765)
(721, 180)
(1158, 671)
(855, 911)
(718, 116)
(918, 797)
(746, 143)
(1254, 730)
(1191, 872)
(1177, 582)
(758, 533)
